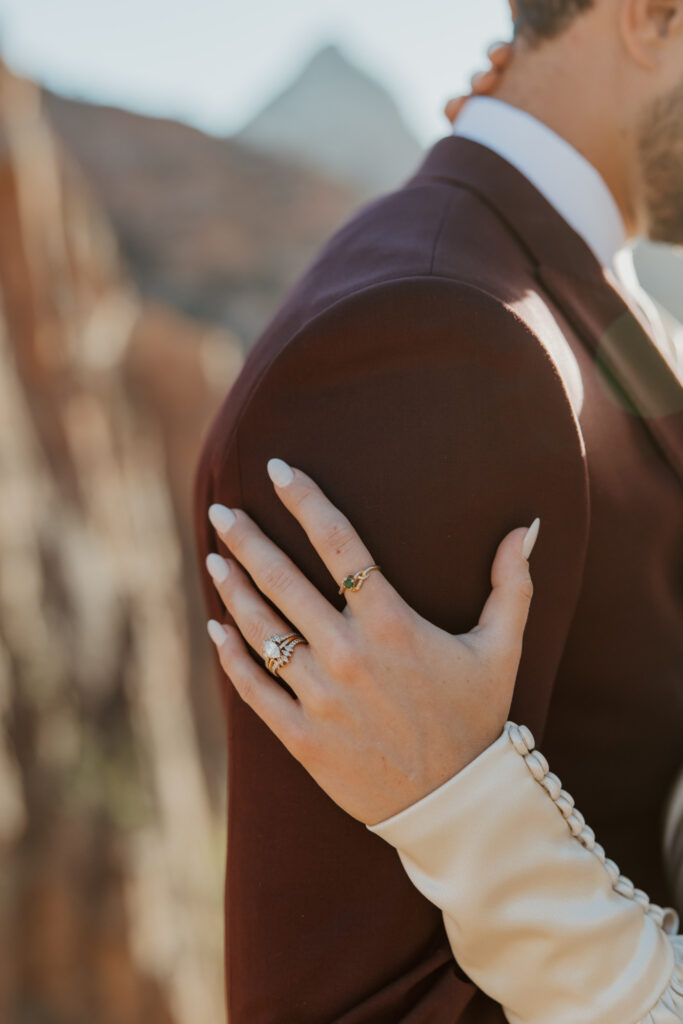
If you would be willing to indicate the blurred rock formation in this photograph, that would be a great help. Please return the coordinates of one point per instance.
(208, 225)
(111, 806)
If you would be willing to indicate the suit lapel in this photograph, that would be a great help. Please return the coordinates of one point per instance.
(627, 358)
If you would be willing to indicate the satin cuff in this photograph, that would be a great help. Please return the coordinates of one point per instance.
(536, 914)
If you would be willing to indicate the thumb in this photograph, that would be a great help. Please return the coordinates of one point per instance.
(504, 616)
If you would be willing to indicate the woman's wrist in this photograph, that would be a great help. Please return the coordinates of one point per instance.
(398, 828)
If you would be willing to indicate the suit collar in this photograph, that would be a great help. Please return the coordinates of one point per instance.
(588, 295)
(573, 186)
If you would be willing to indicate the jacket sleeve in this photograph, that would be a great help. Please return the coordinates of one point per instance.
(536, 913)
(435, 419)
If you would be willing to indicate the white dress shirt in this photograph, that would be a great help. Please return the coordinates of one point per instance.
(570, 183)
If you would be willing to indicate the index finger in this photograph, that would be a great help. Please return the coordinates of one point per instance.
(329, 531)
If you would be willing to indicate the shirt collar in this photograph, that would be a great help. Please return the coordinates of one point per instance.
(560, 173)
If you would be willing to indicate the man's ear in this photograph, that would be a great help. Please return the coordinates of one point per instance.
(513, 9)
(667, 16)
(646, 24)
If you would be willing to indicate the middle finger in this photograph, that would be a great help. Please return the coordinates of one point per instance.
(276, 575)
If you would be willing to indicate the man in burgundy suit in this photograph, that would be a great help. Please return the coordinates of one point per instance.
(460, 358)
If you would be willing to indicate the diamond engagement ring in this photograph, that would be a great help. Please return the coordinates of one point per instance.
(354, 581)
(277, 650)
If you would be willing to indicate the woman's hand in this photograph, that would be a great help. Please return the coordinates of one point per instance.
(484, 83)
(389, 706)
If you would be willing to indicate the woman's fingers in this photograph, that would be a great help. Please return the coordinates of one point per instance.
(275, 574)
(454, 106)
(504, 616)
(500, 54)
(253, 616)
(258, 688)
(483, 83)
(329, 531)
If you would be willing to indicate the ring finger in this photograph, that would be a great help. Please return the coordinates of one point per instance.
(255, 619)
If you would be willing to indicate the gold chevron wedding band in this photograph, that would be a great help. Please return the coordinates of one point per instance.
(354, 581)
(277, 650)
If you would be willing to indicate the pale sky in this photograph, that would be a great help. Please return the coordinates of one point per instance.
(215, 62)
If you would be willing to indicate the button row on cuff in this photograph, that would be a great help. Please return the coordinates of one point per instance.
(522, 740)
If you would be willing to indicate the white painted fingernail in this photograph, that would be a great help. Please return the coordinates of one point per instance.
(530, 538)
(216, 632)
(218, 567)
(221, 517)
(280, 473)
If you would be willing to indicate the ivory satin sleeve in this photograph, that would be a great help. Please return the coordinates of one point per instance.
(535, 912)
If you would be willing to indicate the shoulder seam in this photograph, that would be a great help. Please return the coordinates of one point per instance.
(347, 297)
(439, 231)
(457, 282)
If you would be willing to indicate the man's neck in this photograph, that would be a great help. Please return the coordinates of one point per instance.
(542, 93)
(568, 181)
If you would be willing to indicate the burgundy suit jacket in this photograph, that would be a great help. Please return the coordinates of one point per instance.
(453, 363)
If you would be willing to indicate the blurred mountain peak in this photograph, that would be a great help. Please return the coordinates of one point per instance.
(330, 52)
(336, 118)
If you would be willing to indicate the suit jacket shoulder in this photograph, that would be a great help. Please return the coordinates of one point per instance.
(403, 281)
(427, 228)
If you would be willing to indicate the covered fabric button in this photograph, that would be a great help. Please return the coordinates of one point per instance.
(575, 822)
(517, 740)
(625, 886)
(612, 870)
(527, 736)
(576, 813)
(564, 805)
(536, 765)
(671, 923)
(552, 784)
(599, 851)
(641, 897)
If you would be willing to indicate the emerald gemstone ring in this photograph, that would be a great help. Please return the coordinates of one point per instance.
(354, 581)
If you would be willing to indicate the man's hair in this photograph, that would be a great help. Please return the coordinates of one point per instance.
(543, 19)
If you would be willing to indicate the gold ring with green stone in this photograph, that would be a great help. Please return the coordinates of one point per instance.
(354, 581)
